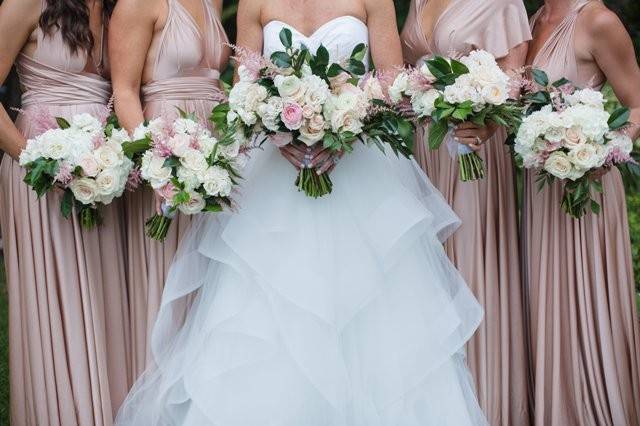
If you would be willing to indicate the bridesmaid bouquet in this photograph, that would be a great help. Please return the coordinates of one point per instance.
(83, 157)
(448, 92)
(188, 168)
(298, 98)
(568, 134)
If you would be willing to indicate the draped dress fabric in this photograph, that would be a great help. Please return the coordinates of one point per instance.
(339, 311)
(584, 325)
(68, 317)
(185, 76)
(486, 247)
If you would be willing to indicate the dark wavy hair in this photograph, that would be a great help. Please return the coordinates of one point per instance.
(71, 17)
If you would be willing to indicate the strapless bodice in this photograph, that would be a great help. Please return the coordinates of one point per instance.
(339, 35)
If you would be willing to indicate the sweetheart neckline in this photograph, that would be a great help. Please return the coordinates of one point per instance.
(317, 30)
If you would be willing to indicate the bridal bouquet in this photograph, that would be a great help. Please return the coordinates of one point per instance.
(188, 168)
(448, 92)
(296, 97)
(85, 159)
(567, 135)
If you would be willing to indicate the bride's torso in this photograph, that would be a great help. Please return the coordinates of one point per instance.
(339, 29)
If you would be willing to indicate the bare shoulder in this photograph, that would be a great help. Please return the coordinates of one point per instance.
(21, 12)
(600, 21)
(140, 8)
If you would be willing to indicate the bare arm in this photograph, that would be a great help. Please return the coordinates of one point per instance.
(516, 58)
(130, 34)
(18, 19)
(249, 24)
(384, 39)
(613, 51)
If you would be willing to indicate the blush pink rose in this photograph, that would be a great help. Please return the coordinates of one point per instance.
(292, 116)
(281, 139)
(167, 192)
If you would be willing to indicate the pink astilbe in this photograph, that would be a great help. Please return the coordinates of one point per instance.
(134, 180)
(161, 148)
(103, 114)
(40, 118)
(253, 61)
(64, 175)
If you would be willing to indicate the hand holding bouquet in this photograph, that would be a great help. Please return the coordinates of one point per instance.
(188, 168)
(298, 99)
(85, 159)
(448, 92)
(568, 135)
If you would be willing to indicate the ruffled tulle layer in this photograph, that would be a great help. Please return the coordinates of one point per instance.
(341, 311)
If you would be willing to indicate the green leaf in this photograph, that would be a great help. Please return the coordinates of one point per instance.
(437, 132)
(322, 56)
(335, 70)
(595, 207)
(286, 38)
(357, 67)
(560, 83)
(281, 59)
(171, 162)
(461, 113)
(66, 206)
(619, 118)
(439, 66)
(359, 52)
(459, 68)
(212, 208)
(181, 197)
(540, 77)
(62, 123)
(131, 149)
(219, 116)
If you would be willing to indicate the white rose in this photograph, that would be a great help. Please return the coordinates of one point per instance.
(119, 136)
(153, 170)
(86, 123)
(255, 95)
(424, 103)
(194, 206)
(229, 151)
(84, 190)
(345, 121)
(109, 182)
(107, 157)
(290, 87)
(573, 137)
(186, 126)
(310, 136)
(558, 165)
(586, 156)
(399, 86)
(207, 143)
(56, 146)
(89, 165)
(179, 144)
(245, 74)
(495, 94)
(317, 91)
(194, 160)
(217, 182)
(189, 178)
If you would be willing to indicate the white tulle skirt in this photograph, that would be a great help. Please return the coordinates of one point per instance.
(341, 311)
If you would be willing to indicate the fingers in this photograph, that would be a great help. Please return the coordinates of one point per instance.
(292, 159)
(472, 143)
(321, 158)
(467, 125)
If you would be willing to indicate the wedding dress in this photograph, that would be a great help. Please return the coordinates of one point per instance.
(339, 311)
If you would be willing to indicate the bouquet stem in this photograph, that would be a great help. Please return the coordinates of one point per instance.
(471, 167)
(313, 184)
(158, 226)
(89, 218)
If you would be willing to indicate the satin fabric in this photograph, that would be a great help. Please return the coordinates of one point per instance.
(584, 321)
(185, 76)
(486, 247)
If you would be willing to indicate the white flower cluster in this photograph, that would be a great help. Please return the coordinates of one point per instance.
(485, 84)
(195, 168)
(569, 143)
(305, 104)
(92, 165)
(415, 85)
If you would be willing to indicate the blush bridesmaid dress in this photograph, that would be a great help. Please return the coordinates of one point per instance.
(485, 249)
(584, 322)
(68, 317)
(185, 73)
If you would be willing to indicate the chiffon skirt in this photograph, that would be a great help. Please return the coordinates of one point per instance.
(68, 317)
(584, 320)
(149, 260)
(340, 311)
(485, 250)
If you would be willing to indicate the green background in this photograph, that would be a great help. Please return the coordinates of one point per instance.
(629, 10)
